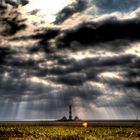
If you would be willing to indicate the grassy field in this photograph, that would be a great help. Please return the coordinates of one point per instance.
(69, 133)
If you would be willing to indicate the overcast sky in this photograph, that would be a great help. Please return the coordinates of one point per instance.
(85, 53)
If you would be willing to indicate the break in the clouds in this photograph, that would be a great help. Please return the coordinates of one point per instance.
(96, 7)
(89, 58)
(116, 5)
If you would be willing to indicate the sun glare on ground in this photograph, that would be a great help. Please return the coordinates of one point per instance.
(85, 124)
(47, 9)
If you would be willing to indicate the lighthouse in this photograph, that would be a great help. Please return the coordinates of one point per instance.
(70, 118)
(70, 112)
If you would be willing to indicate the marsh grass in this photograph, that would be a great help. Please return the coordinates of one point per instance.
(69, 133)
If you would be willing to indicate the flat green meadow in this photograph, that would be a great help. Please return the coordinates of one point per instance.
(69, 133)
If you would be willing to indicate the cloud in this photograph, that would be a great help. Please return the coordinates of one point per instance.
(102, 31)
(72, 78)
(11, 20)
(11, 2)
(115, 5)
(67, 12)
(96, 7)
(16, 3)
(92, 65)
(24, 2)
(4, 53)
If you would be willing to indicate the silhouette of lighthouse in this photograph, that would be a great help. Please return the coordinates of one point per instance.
(70, 112)
(70, 118)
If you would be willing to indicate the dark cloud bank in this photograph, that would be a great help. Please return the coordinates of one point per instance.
(95, 65)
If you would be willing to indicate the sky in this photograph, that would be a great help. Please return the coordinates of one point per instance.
(84, 53)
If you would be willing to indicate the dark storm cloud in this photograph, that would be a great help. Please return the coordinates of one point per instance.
(9, 57)
(14, 26)
(67, 12)
(115, 5)
(43, 37)
(106, 30)
(79, 72)
(103, 31)
(94, 7)
(4, 53)
(126, 83)
(91, 66)
(11, 2)
(73, 79)
(24, 2)
(16, 3)
(87, 63)
(133, 84)
(11, 20)
(132, 73)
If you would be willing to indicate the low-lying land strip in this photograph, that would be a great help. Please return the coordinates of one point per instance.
(91, 123)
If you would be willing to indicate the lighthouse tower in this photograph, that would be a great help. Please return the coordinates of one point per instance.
(70, 113)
